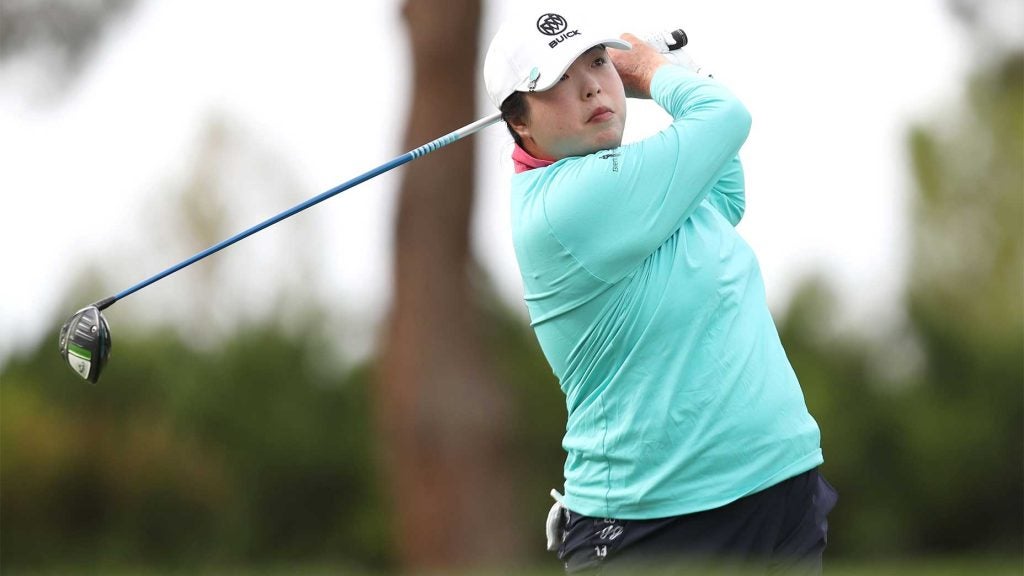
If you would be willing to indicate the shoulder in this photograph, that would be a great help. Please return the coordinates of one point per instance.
(580, 173)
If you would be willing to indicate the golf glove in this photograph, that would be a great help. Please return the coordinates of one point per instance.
(670, 43)
(555, 526)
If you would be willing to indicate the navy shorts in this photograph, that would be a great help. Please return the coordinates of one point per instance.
(780, 530)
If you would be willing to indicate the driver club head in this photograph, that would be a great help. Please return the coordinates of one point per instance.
(84, 343)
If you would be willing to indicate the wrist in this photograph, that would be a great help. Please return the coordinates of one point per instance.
(640, 87)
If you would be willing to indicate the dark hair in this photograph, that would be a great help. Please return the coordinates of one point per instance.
(514, 109)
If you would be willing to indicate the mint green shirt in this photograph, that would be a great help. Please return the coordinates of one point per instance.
(651, 310)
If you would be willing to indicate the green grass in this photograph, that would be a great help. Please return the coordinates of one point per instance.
(958, 566)
(931, 567)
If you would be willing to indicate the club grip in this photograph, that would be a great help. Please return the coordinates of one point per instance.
(666, 41)
(679, 39)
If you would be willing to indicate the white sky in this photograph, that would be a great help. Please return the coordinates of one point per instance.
(323, 89)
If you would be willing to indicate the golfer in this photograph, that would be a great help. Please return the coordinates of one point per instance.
(688, 438)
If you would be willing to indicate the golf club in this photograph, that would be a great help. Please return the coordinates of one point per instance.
(84, 341)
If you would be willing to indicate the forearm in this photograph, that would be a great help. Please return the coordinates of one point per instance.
(637, 67)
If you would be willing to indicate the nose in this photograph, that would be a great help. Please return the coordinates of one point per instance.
(591, 87)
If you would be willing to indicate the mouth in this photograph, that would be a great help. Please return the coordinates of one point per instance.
(600, 114)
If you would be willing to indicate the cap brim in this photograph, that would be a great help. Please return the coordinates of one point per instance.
(546, 83)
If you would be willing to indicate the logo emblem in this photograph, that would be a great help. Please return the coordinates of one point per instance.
(614, 157)
(551, 24)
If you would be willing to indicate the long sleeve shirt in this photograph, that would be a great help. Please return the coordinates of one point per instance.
(651, 310)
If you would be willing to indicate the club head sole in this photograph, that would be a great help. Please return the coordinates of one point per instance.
(84, 343)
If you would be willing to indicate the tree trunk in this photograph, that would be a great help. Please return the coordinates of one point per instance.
(442, 413)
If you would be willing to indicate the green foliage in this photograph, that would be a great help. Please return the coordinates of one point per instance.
(251, 451)
(966, 301)
(61, 35)
(255, 450)
(539, 413)
(933, 459)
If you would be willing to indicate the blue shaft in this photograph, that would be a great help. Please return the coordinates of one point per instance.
(408, 156)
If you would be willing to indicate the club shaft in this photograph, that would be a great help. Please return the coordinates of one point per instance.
(387, 166)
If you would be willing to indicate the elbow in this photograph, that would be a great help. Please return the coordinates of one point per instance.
(739, 119)
(739, 211)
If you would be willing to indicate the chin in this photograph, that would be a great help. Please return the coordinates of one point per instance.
(610, 139)
(609, 143)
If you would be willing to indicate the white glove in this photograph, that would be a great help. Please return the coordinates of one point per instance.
(555, 526)
(666, 41)
(670, 43)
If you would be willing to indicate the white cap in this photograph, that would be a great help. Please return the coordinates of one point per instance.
(532, 51)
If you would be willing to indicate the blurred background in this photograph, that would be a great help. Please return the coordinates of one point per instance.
(357, 390)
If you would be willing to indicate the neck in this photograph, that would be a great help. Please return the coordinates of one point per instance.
(531, 148)
(524, 160)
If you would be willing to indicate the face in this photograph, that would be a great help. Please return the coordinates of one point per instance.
(582, 113)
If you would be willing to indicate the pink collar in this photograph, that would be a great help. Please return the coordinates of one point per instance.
(524, 161)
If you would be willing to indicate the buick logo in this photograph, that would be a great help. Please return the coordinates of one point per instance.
(551, 24)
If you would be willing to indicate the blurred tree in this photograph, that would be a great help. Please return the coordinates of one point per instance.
(442, 410)
(233, 441)
(923, 429)
(995, 25)
(235, 178)
(59, 35)
(966, 303)
(242, 453)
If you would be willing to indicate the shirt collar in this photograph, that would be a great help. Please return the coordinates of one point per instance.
(524, 161)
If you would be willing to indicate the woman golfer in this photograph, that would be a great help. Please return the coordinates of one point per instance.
(688, 438)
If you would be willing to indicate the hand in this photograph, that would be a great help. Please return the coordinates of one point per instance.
(554, 527)
(636, 67)
(671, 43)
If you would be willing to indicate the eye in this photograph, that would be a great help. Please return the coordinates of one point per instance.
(564, 77)
(600, 61)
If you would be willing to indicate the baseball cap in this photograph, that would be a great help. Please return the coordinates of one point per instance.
(532, 50)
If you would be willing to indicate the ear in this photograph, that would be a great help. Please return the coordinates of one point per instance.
(520, 126)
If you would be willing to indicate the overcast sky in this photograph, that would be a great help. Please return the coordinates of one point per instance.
(320, 90)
